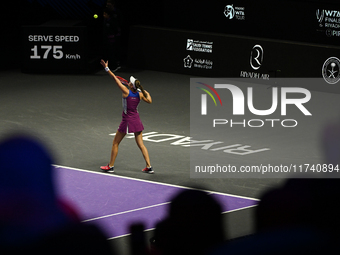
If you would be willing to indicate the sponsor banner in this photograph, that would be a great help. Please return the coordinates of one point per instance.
(301, 21)
(200, 46)
(329, 21)
(172, 51)
(219, 55)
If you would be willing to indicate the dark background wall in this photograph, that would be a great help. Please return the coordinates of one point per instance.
(275, 19)
(293, 20)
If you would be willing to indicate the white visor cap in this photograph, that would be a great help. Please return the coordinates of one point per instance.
(133, 80)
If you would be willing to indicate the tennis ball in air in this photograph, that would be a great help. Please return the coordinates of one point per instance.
(95, 16)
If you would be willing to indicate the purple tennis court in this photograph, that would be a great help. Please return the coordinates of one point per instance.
(114, 202)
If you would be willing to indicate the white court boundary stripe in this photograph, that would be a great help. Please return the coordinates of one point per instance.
(150, 229)
(151, 206)
(134, 210)
(153, 182)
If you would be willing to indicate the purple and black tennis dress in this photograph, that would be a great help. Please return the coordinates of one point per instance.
(131, 122)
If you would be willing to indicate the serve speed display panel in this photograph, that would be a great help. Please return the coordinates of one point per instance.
(54, 48)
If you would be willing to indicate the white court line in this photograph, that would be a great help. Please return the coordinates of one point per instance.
(153, 182)
(115, 237)
(151, 206)
(134, 210)
(150, 229)
(239, 209)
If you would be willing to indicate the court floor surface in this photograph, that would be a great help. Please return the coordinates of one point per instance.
(77, 116)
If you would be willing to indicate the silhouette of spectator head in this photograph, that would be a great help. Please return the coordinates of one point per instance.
(194, 224)
(28, 200)
(286, 206)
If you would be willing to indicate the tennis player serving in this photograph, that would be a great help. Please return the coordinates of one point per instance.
(132, 94)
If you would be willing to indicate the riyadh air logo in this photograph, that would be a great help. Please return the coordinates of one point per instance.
(229, 11)
(204, 97)
(256, 57)
(331, 70)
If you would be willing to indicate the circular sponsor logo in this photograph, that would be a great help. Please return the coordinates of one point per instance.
(331, 70)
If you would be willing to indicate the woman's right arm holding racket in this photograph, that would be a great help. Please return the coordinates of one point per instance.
(124, 89)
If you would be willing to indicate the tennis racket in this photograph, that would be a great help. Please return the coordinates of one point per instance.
(122, 80)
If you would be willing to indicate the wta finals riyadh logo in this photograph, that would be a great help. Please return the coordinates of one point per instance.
(204, 97)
